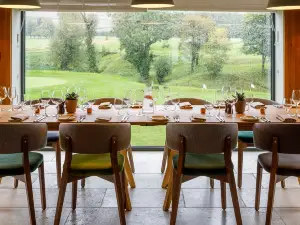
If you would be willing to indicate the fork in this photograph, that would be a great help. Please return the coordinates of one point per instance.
(176, 118)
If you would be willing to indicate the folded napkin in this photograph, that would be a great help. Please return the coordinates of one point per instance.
(136, 106)
(159, 118)
(257, 105)
(18, 118)
(198, 119)
(105, 105)
(185, 105)
(286, 118)
(103, 119)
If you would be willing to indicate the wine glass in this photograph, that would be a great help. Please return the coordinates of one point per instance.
(287, 104)
(139, 98)
(209, 106)
(45, 100)
(167, 96)
(296, 99)
(128, 96)
(91, 100)
(220, 99)
(11, 93)
(82, 97)
(57, 98)
(175, 100)
(156, 95)
(250, 96)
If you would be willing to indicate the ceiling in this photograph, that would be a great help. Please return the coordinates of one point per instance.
(124, 5)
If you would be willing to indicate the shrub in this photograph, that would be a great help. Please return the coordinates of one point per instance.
(163, 67)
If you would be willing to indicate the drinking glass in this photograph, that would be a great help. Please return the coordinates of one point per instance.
(11, 93)
(156, 95)
(57, 98)
(167, 96)
(287, 104)
(139, 98)
(82, 97)
(45, 99)
(296, 99)
(250, 96)
(91, 100)
(2, 94)
(175, 101)
(220, 99)
(209, 106)
(128, 96)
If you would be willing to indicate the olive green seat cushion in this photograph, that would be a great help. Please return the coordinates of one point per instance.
(202, 164)
(12, 164)
(246, 136)
(94, 164)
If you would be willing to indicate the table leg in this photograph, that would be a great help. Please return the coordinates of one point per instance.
(127, 169)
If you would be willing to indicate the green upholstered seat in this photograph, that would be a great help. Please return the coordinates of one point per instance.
(93, 164)
(246, 136)
(202, 164)
(12, 164)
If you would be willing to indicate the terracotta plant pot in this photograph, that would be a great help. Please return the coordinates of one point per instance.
(71, 106)
(240, 107)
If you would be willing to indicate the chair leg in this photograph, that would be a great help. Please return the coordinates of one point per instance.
(120, 200)
(271, 195)
(74, 194)
(298, 180)
(127, 197)
(175, 197)
(258, 186)
(61, 197)
(234, 197)
(169, 168)
(212, 183)
(130, 156)
(16, 183)
(56, 146)
(223, 194)
(83, 183)
(283, 183)
(241, 148)
(42, 186)
(168, 197)
(164, 160)
(30, 200)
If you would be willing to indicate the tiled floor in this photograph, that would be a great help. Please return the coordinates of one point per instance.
(199, 205)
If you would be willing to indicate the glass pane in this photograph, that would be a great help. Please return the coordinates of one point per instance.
(182, 54)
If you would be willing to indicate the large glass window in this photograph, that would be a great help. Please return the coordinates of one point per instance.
(192, 53)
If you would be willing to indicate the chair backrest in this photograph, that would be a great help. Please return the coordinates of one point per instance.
(94, 138)
(193, 101)
(202, 138)
(287, 135)
(111, 100)
(264, 101)
(11, 135)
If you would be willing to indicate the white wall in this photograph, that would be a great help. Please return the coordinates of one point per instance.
(16, 50)
(279, 54)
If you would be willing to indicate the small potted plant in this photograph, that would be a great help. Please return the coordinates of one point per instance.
(240, 105)
(71, 102)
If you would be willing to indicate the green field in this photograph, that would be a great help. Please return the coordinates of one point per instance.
(118, 74)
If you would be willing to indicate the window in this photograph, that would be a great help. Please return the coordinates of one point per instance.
(194, 54)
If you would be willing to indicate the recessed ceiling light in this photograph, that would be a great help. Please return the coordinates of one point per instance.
(153, 4)
(20, 4)
(283, 4)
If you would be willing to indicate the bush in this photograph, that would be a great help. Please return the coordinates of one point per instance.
(163, 67)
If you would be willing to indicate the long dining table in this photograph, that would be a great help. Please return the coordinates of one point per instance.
(137, 119)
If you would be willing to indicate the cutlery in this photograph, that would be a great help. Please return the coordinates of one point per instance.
(123, 118)
(82, 118)
(40, 119)
(127, 117)
(223, 120)
(176, 118)
(265, 119)
(218, 118)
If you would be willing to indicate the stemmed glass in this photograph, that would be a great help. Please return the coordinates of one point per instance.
(296, 99)
(175, 101)
(139, 98)
(251, 100)
(91, 100)
(57, 98)
(167, 96)
(45, 100)
(209, 106)
(287, 104)
(128, 96)
(156, 95)
(82, 97)
(11, 93)
(220, 100)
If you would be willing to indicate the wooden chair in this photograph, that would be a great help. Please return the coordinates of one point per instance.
(281, 161)
(129, 150)
(204, 150)
(97, 148)
(17, 141)
(245, 140)
(168, 153)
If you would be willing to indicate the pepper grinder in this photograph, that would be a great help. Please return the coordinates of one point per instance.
(61, 108)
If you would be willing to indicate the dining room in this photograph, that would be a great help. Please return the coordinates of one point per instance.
(149, 112)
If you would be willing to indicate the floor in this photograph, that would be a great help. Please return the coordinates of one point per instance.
(198, 205)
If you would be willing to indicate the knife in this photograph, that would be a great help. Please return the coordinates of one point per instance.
(40, 119)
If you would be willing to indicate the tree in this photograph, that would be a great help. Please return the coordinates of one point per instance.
(256, 36)
(137, 32)
(67, 42)
(91, 22)
(194, 33)
(216, 51)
